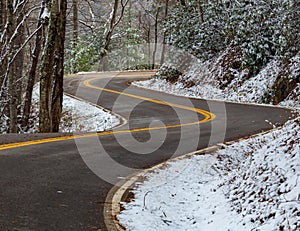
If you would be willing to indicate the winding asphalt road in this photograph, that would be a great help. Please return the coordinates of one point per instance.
(62, 183)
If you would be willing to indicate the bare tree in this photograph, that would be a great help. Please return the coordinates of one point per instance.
(40, 32)
(155, 35)
(162, 60)
(15, 33)
(2, 25)
(114, 20)
(51, 76)
(75, 22)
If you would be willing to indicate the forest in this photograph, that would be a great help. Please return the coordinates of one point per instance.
(42, 41)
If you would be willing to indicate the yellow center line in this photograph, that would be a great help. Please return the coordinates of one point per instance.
(208, 116)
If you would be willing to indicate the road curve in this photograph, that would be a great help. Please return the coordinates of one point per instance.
(61, 183)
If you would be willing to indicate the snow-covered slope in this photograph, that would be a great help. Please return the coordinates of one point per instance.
(253, 184)
(209, 81)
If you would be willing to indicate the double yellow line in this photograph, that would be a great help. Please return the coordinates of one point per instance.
(208, 116)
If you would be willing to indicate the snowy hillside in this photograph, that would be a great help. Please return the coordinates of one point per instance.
(209, 81)
(253, 184)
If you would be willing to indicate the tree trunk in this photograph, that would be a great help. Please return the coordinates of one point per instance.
(17, 70)
(51, 77)
(2, 24)
(162, 60)
(114, 21)
(111, 25)
(15, 60)
(75, 34)
(32, 76)
(46, 74)
(75, 22)
(2, 14)
(11, 78)
(57, 94)
(155, 38)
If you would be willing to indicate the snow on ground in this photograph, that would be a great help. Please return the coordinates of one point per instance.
(77, 115)
(293, 99)
(200, 91)
(257, 188)
(80, 116)
(290, 100)
(3, 123)
(251, 90)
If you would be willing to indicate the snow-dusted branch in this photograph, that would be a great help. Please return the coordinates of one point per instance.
(15, 33)
(123, 4)
(22, 46)
(18, 4)
(91, 13)
(86, 25)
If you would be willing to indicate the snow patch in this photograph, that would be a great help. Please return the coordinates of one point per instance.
(77, 115)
